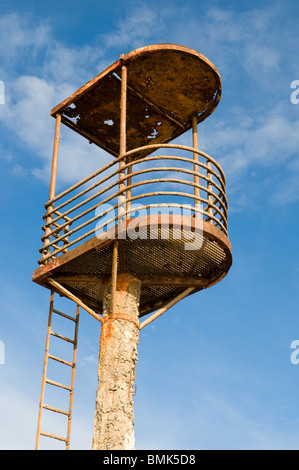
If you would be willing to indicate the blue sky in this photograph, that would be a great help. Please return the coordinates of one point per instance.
(215, 371)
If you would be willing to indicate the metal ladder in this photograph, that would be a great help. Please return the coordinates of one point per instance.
(45, 380)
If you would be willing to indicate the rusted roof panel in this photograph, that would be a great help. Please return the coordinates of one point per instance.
(167, 86)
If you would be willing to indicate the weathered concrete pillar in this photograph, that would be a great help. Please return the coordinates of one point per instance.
(114, 414)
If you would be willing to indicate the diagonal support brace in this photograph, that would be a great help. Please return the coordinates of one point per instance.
(71, 296)
(169, 304)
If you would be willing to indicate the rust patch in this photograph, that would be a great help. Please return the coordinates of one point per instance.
(167, 86)
(108, 330)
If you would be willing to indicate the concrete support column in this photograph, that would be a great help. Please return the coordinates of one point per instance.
(114, 414)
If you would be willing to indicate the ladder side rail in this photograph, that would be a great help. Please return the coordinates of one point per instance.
(38, 432)
(45, 380)
(73, 379)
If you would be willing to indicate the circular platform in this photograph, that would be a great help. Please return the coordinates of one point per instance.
(166, 259)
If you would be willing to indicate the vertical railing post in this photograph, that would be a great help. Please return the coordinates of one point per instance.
(210, 188)
(49, 218)
(195, 158)
(128, 192)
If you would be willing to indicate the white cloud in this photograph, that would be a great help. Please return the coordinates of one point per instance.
(19, 41)
(253, 140)
(27, 111)
(136, 27)
(248, 137)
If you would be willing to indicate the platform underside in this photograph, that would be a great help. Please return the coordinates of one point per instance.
(167, 85)
(158, 257)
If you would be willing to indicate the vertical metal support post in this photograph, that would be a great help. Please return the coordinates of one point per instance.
(113, 277)
(44, 371)
(195, 158)
(122, 146)
(52, 180)
(122, 172)
(55, 157)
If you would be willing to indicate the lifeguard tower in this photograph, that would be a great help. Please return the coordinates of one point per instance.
(142, 232)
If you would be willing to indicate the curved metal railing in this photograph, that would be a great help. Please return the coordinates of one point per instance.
(130, 184)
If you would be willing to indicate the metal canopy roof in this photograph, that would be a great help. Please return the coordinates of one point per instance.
(166, 86)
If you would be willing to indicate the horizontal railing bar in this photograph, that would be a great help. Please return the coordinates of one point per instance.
(122, 157)
(67, 234)
(215, 198)
(82, 193)
(83, 181)
(185, 159)
(175, 180)
(179, 170)
(128, 200)
(159, 193)
(180, 147)
(122, 191)
(182, 170)
(194, 209)
(58, 213)
(122, 180)
(191, 196)
(116, 183)
(79, 216)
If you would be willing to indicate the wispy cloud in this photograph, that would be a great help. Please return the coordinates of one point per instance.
(141, 23)
(250, 137)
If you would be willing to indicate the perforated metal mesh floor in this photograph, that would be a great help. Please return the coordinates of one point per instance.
(164, 254)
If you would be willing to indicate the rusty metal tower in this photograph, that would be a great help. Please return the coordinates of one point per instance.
(142, 232)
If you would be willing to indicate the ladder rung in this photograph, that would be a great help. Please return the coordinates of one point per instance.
(57, 384)
(57, 410)
(64, 338)
(64, 315)
(53, 436)
(60, 360)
